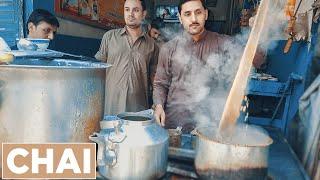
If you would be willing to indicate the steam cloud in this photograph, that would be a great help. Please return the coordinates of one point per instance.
(211, 83)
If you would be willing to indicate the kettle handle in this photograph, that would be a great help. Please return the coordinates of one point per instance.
(106, 150)
(119, 135)
(97, 138)
(117, 126)
(111, 153)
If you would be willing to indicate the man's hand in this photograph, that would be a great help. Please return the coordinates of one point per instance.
(159, 115)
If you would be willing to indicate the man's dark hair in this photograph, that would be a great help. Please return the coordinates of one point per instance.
(39, 15)
(143, 4)
(157, 23)
(181, 2)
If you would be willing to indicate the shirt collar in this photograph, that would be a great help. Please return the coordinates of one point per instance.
(189, 37)
(124, 31)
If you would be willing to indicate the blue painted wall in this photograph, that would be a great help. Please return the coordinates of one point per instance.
(28, 7)
(10, 21)
(48, 5)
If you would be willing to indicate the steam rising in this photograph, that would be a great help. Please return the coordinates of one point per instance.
(210, 83)
(275, 25)
(242, 135)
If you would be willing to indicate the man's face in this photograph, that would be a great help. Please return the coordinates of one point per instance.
(43, 30)
(154, 33)
(133, 13)
(193, 17)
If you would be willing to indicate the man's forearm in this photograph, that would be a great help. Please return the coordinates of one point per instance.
(159, 94)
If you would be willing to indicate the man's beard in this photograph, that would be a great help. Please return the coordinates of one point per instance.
(133, 26)
(196, 31)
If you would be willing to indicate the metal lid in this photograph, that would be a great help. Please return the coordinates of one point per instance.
(57, 63)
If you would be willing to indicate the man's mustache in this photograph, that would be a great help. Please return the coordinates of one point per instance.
(194, 24)
(131, 18)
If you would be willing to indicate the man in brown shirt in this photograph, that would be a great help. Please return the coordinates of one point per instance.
(181, 63)
(133, 55)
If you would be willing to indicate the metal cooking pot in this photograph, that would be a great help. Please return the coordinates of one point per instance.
(244, 155)
(50, 100)
(132, 146)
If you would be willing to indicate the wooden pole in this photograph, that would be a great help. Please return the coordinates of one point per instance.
(232, 108)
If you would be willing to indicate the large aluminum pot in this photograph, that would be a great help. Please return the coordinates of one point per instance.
(243, 155)
(132, 147)
(50, 100)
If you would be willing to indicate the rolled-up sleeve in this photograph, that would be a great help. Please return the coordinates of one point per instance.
(162, 78)
(102, 54)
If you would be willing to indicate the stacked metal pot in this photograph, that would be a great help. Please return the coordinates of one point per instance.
(50, 100)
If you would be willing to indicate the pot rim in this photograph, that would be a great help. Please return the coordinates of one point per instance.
(109, 120)
(110, 124)
(268, 142)
(149, 118)
(81, 64)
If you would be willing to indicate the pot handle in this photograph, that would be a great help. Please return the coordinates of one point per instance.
(119, 135)
(110, 153)
(106, 150)
(112, 143)
(97, 138)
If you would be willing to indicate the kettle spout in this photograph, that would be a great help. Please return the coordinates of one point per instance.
(96, 137)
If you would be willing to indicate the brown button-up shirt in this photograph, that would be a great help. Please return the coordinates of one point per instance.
(128, 80)
(182, 64)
